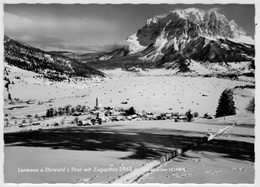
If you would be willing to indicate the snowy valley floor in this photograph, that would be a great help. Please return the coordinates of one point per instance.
(153, 91)
(110, 150)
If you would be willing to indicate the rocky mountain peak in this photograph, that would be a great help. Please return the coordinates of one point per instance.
(206, 23)
(201, 35)
(192, 14)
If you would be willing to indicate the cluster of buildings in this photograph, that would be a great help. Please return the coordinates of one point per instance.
(100, 114)
(84, 116)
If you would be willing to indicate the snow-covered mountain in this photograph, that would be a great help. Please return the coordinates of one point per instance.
(52, 65)
(191, 34)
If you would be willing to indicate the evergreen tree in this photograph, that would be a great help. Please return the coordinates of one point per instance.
(130, 111)
(251, 106)
(189, 116)
(226, 104)
(50, 112)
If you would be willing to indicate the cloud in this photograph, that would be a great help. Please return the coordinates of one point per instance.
(80, 48)
(60, 32)
(46, 42)
(49, 43)
(14, 22)
(12, 18)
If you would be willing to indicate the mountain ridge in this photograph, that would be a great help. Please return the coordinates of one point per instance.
(33, 59)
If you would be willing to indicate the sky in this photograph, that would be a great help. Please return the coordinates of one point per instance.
(92, 27)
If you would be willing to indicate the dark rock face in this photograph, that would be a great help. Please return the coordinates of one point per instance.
(33, 59)
(212, 51)
(218, 51)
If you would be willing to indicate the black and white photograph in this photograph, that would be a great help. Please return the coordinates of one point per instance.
(129, 93)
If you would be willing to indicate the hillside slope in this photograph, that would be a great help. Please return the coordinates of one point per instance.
(29, 58)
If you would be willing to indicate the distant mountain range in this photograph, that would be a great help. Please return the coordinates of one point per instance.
(177, 40)
(33, 59)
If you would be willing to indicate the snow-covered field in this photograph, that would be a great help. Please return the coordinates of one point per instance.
(103, 153)
(202, 167)
(152, 91)
(228, 158)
